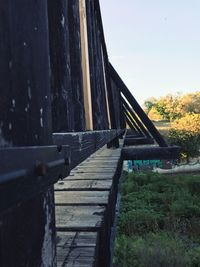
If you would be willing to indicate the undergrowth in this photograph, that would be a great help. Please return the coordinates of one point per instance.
(159, 223)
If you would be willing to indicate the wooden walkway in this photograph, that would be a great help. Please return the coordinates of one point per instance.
(85, 208)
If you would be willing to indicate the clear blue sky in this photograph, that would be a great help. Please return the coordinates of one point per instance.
(154, 44)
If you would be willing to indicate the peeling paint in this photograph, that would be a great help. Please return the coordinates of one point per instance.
(41, 118)
(29, 89)
(3, 141)
(29, 92)
(80, 138)
(63, 21)
(41, 122)
(27, 108)
(10, 64)
(13, 103)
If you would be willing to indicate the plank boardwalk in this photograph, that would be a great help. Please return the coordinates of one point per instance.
(85, 207)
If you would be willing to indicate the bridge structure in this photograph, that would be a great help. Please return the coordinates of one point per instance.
(67, 122)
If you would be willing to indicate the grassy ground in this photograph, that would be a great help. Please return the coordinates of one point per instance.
(159, 224)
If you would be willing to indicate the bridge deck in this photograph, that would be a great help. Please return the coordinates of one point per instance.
(85, 207)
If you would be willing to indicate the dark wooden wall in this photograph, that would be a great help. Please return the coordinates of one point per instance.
(27, 231)
(41, 93)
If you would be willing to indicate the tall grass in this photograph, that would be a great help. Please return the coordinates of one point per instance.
(159, 223)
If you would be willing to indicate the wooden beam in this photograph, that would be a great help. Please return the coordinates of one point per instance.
(150, 152)
(85, 67)
(117, 102)
(128, 115)
(129, 124)
(132, 134)
(137, 120)
(136, 107)
(138, 141)
(106, 91)
(83, 144)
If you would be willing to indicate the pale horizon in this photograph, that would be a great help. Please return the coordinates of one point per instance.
(154, 45)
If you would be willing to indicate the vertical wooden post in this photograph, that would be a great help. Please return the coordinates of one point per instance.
(85, 66)
(106, 91)
(27, 231)
(111, 97)
(61, 84)
(100, 74)
(76, 65)
(99, 107)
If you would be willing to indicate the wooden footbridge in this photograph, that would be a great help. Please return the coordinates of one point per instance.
(63, 138)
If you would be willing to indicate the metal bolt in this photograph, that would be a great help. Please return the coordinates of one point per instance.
(41, 169)
(59, 148)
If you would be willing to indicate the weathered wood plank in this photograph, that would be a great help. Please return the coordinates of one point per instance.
(76, 239)
(97, 185)
(81, 198)
(89, 176)
(79, 257)
(100, 163)
(138, 141)
(76, 248)
(93, 170)
(84, 144)
(81, 218)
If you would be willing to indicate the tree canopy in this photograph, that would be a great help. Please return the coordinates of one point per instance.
(174, 106)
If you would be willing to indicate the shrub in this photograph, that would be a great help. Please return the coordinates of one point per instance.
(139, 221)
(195, 257)
(152, 250)
(159, 224)
(185, 133)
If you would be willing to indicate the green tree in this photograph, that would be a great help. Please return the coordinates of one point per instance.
(149, 104)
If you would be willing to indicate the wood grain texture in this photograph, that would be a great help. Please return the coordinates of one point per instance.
(81, 198)
(27, 230)
(76, 249)
(97, 185)
(85, 201)
(80, 218)
(83, 144)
